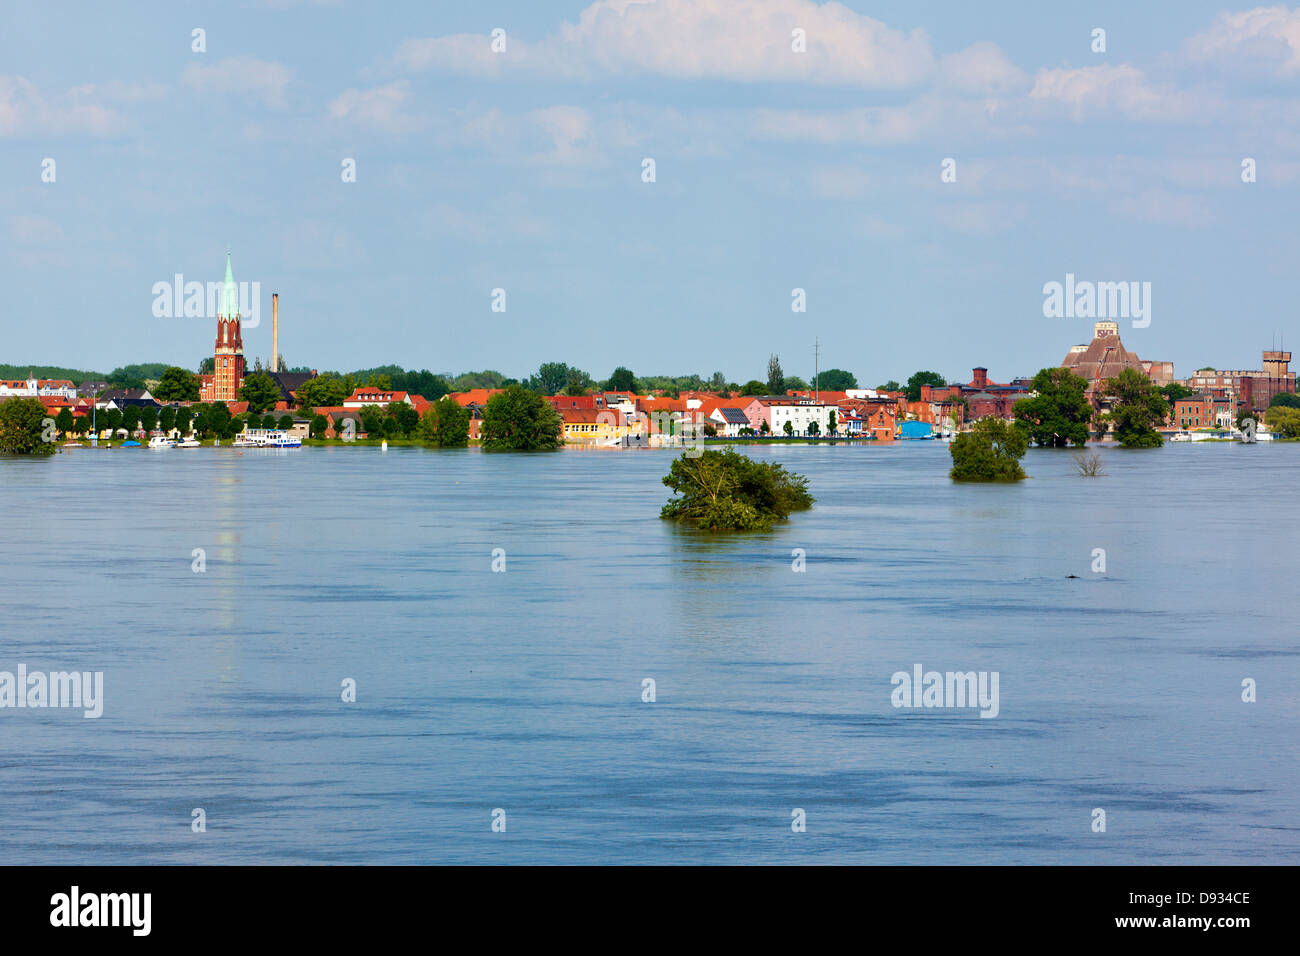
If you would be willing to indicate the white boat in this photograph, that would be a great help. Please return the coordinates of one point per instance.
(242, 442)
(271, 438)
(190, 442)
(162, 441)
(1181, 436)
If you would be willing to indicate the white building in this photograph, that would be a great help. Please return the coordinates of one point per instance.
(33, 387)
(801, 413)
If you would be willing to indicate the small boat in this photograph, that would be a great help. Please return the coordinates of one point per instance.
(129, 443)
(1181, 436)
(188, 443)
(243, 443)
(162, 441)
(72, 444)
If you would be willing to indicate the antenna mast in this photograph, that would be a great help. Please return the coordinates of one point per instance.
(817, 355)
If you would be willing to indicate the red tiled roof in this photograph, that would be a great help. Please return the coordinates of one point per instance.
(475, 396)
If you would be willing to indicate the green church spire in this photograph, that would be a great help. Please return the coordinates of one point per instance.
(230, 296)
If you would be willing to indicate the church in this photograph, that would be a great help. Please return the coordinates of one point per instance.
(228, 369)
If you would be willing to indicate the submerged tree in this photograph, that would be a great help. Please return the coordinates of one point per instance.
(991, 451)
(1059, 414)
(1139, 406)
(23, 429)
(728, 491)
(520, 420)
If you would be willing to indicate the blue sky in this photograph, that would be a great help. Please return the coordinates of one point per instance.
(774, 170)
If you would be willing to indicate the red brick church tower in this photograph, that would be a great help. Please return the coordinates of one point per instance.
(228, 367)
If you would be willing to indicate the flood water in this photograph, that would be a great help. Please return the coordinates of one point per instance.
(522, 689)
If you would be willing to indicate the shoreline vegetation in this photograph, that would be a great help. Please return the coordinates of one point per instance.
(1058, 411)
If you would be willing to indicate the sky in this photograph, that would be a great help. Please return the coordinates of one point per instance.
(775, 169)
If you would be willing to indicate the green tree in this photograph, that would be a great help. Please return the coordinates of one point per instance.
(324, 391)
(131, 419)
(520, 420)
(110, 419)
(81, 425)
(621, 380)
(718, 382)
(551, 378)
(727, 491)
(149, 417)
(372, 420)
(184, 419)
(991, 451)
(1138, 407)
(795, 383)
(319, 425)
(285, 422)
(753, 387)
(217, 421)
(922, 378)
(176, 385)
(1285, 399)
(832, 424)
(814, 429)
(775, 377)
(381, 381)
(890, 386)
(576, 382)
(836, 380)
(1059, 414)
(268, 422)
(260, 391)
(789, 428)
(167, 418)
(445, 424)
(405, 416)
(765, 428)
(22, 427)
(63, 421)
(1175, 391)
(1285, 420)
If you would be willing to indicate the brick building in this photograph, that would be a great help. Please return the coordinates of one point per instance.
(228, 359)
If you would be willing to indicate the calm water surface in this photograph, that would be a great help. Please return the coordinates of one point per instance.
(522, 690)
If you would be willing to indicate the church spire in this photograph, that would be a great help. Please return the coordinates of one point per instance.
(230, 295)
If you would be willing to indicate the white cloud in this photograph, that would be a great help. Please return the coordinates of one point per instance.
(1106, 91)
(1161, 207)
(379, 108)
(1268, 36)
(928, 117)
(981, 69)
(34, 229)
(738, 40)
(25, 110)
(242, 75)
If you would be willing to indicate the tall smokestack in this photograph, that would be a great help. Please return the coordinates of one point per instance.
(275, 331)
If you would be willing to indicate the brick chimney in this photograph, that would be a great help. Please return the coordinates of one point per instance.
(981, 377)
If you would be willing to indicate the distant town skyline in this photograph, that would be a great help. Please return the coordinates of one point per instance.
(1167, 158)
